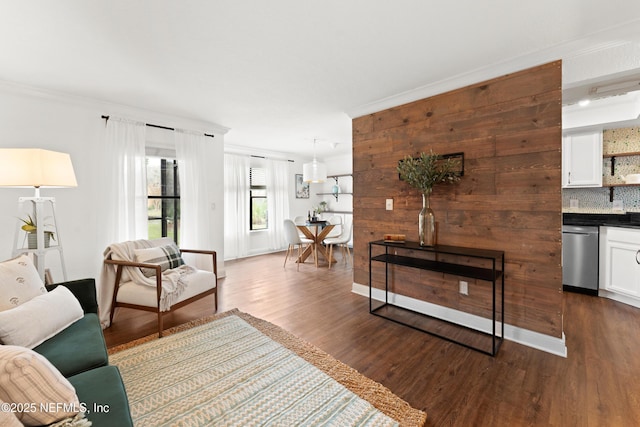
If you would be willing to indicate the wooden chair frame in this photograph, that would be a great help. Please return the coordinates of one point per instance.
(120, 265)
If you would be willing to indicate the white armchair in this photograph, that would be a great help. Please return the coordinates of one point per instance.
(150, 275)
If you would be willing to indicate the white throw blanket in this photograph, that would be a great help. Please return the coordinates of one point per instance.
(173, 280)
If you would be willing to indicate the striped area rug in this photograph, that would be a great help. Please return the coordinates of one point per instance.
(236, 370)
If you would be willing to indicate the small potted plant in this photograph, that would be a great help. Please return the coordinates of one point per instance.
(31, 229)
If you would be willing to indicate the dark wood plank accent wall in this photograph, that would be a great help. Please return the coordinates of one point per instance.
(509, 199)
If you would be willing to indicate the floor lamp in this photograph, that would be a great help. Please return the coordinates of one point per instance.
(37, 168)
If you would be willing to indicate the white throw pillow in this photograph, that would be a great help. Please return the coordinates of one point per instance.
(19, 282)
(38, 391)
(168, 256)
(37, 320)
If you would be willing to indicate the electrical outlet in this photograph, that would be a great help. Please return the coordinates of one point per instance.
(618, 206)
(389, 204)
(464, 287)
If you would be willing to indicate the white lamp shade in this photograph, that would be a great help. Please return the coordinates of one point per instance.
(34, 167)
(314, 171)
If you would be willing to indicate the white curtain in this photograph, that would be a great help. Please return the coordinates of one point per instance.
(124, 173)
(193, 153)
(277, 177)
(236, 206)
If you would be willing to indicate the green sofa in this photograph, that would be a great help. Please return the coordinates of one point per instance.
(79, 352)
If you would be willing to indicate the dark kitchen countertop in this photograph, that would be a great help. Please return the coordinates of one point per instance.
(630, 219)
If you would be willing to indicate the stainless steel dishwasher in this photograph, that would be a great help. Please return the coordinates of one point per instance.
(580, 259)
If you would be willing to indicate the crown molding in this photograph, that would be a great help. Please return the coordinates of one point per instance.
(588, 45)
(110, 108)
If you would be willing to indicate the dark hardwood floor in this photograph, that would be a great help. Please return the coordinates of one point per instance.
(596, 385)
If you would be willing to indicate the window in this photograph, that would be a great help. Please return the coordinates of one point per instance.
(257, 199)
(163, 204)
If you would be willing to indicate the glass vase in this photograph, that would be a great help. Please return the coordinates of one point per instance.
(426, 223)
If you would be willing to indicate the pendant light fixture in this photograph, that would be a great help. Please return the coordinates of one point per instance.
(314, 171)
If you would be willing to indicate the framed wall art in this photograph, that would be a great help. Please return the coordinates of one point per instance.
(302, 188)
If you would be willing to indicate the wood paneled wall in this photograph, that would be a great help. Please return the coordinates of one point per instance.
(509, 199)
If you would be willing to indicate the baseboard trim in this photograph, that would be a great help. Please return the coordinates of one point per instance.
(629, 300)
(546, 343)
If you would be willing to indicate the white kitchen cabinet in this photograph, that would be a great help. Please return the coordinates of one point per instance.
(582, 160)
(620, 262)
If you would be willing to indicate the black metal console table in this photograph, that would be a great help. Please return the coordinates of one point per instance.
(438, 259)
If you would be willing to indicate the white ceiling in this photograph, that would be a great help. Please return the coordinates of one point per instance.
(280, 73)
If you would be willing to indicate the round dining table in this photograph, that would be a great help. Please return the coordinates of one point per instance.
(317, 231)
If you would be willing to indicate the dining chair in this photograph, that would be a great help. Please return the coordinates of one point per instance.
(342, 241)
(300, 220)
(293, 239)
(338, 229)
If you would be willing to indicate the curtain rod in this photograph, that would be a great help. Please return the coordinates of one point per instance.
(270, 158)
(159, 127)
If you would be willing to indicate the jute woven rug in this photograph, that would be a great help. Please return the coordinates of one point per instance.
(233, 369)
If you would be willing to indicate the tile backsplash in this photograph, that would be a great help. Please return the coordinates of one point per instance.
(596, 200)
(625, 140)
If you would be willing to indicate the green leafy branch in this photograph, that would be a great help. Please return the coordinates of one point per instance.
(427, 170)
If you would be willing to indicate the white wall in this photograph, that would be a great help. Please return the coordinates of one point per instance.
(38, 119)
(600, 60)
(339, 164)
